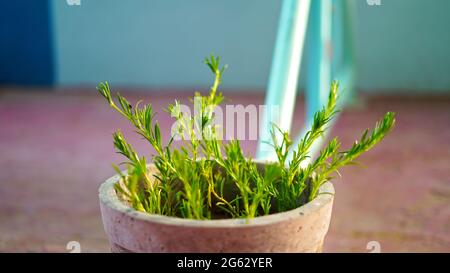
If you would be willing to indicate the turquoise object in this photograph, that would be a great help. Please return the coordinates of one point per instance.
(330, 46)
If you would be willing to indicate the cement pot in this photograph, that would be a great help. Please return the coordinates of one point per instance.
(298, 230)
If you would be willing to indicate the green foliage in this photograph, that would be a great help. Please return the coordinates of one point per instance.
(207, 178)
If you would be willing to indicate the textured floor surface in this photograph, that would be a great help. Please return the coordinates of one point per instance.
(55, 150)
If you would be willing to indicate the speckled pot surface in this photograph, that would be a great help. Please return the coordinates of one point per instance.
(299, 230)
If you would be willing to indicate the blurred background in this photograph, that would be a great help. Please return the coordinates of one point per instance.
(55, 130)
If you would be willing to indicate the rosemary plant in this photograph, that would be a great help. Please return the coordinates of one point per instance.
(207, 178)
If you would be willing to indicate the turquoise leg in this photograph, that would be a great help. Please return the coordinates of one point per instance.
(319, 64)
(284, 73)
(329, 60)
(319, 58)
(330, 20)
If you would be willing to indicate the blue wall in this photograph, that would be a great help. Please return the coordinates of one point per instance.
(163, 43)
(402, 45)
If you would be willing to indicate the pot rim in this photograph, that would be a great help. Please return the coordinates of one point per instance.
(108, 197)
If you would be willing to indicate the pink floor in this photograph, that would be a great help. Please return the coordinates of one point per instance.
(55, 150)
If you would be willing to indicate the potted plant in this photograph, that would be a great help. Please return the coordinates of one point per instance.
(206, 196)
